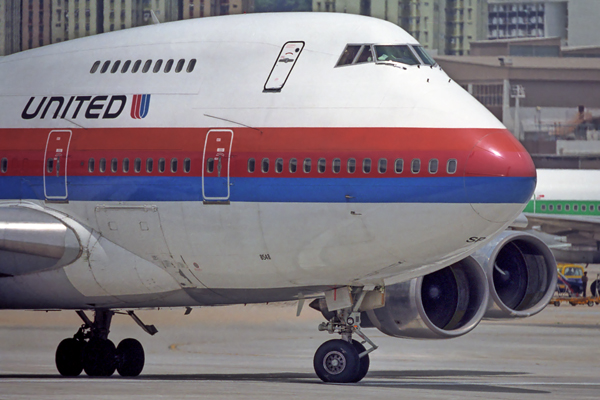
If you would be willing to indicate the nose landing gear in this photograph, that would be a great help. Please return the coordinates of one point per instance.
(344, 360)
(91, 351)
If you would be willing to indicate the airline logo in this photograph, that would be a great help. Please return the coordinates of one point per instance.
(140, 106)
(88, 107)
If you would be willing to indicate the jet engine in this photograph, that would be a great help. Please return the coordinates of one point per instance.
(521, 272)
(32, 241)
(444, 304)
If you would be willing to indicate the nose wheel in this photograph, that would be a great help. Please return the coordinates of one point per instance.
(344, 360)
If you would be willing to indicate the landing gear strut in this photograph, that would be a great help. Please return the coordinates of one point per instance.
(91, 351)
(344, 360)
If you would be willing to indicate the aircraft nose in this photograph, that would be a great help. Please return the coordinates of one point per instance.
(500, 177)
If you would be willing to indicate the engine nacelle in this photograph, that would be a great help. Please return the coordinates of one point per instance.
(521, 273)
(32, 240)
(444, 304)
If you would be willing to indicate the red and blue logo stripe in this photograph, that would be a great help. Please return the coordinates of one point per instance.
(140, 106)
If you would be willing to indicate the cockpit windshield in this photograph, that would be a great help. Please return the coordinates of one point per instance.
(397, 53)
(426, 58)
(384, 54)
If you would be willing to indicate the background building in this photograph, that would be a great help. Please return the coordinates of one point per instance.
(26, 24)
(574, 21)
(10, 26)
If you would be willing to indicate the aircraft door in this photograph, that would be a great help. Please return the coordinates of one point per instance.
(216, 162)
(55, 165)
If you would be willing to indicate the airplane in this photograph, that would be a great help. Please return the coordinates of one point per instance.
(565, 206)
(259, 158)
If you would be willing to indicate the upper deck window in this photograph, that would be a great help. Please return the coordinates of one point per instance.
(396, 53)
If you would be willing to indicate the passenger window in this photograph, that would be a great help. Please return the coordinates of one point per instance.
(149, 165)
(336, 166)
(162, 165)
(187, 165)
(50, 165)
(351, 165)
(559, 207)
(348, 55)
(365, 55)
(126, 165)
(415, 166)
(126, 65)
(264, 166)
(91, 165)
(95, 67)
(173, 165)
(293, 165)
(180, 65)
(322, 164)
(136, 66)
(307, 165)
(551, 207)
(451, 166)
(543, 207)
(157, 66)
(575, 207)
(399, 165)
(168, 66)
(105, 67)
(583, 207)
(433, 166)
(279, 165)
(102, 167)
(251, 165)
(147, 66)
(591, 207)
(382, 166)
(210, 165)
(137, 165)
(114, 164)
(115, 67)
(367, 165)
(567, 207)
(191, 65)
(4, 166)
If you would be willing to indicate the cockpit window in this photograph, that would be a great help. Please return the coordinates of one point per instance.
(396, 53)
(426, 58)
(348, 55)
(365, 55)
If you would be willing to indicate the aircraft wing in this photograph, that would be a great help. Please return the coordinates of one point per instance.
(567, 225)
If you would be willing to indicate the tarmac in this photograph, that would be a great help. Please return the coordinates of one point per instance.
(266, 352)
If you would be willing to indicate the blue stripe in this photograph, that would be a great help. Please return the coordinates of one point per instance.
(145, 105)
(327, 190)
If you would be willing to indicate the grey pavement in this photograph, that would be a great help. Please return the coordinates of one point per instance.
(265, 352)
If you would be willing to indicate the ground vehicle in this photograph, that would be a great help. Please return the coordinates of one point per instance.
(572, 274)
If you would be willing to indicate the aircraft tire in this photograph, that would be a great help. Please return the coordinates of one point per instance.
(69, 357)
(130, 357)
(364, 361)
(99, 357)
(337, 361)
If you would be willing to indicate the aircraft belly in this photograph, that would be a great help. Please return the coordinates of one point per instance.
(272, 245)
